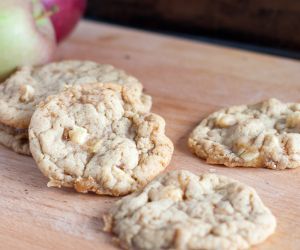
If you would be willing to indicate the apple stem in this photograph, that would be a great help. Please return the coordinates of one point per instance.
(48, 13)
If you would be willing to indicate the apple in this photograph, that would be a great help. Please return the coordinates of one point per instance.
(27, 36)
(67, 15)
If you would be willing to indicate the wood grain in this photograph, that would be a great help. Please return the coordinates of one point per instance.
(187, 81)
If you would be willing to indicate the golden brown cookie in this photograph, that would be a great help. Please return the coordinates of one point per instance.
(180, 210)
(266, 134)
(97, 137)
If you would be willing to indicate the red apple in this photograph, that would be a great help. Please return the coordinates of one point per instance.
(26, 35)
(67, 16)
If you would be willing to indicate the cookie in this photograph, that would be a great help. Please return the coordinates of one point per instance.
(97, 138)
(20, 93)
(15, 139)
(261, 135)
(180, 210)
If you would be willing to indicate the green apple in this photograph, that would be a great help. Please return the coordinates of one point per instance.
(27, 36)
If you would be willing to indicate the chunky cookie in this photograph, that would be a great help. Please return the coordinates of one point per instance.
(15, 139)
(95, 138)
(266, 134)
(20, 93)
(180, 210)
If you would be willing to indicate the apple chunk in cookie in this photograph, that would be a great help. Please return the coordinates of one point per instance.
(266, 134)
(95, 138)
(181, 210)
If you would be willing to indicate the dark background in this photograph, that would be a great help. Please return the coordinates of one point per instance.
(271, 26)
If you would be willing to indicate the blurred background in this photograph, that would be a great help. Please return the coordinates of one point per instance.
(270, 26)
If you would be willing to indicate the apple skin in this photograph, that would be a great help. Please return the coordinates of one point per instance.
(24, 38)
(68, 14)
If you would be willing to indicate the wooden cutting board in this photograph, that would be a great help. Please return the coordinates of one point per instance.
(188, 80)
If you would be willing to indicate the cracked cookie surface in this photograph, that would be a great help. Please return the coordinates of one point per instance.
(180, 210)
(15, 139)
(21, 92)
(266, 134)
(95, 137)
